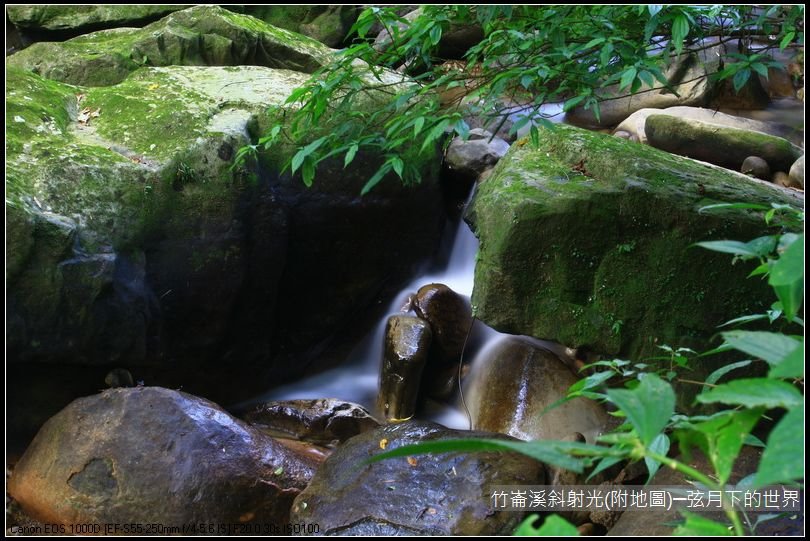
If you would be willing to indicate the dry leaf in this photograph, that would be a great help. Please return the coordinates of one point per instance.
(86, 114)
(383, 443)
(153, 86)
(412, 461)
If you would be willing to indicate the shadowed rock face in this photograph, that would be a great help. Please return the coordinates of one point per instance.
(510, 389)
(436, 494)
(405, 353)
(152, 455)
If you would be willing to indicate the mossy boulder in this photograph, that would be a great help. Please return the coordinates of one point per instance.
(84, 17)
(725, 146)
(197, 36)
(134, 242)
(328, 24)
(588, 241)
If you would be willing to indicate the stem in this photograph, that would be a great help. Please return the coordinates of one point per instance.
(730, 512)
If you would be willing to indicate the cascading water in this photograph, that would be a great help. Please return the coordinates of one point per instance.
(356, 380)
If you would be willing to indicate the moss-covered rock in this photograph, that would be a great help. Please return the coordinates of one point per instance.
(725, 146)
(197, 36)
(328, 24)
(588, 240)
(172, 259)
(83, 17)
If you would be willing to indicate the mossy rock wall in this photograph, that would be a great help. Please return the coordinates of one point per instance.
(84, 17)
(135, 241)
(198, 36)
(589, 240)
(328, 24)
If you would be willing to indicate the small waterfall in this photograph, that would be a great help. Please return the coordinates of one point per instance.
(356, 379)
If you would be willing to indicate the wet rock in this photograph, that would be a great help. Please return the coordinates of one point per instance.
(634, 125)
(723, 146)
(781, 178)
(119, 377)
(406, 349)
(324, 421)
(152, 455)
(797, 172)
(613, 201)
(472, 157)
(449, 316)
(756, 167)
(509, 389)
(431, 494)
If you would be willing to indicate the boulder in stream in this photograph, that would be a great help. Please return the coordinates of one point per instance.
(405, 354)
(151, 455)
(430, 494)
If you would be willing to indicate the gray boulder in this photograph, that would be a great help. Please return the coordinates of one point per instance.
(472, 157)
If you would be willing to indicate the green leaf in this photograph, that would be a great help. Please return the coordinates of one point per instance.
(350, 155)
(790, 265)
(791, 366)
(554, 453)
(772, 348)
(790, 297)
(308, 172)
(715, 376)
(435, 34)
(762, 69)
(787, 39)
(660, 445)
(606, 54)
(782, 461)
(553, 526)
(697, 526)
(397, 165)
(756, 248)
(628, 77)
(648, 407)
(740, 78)
(680, 28)
(725, 435)
(753, 393)
(376, 178)
(573, 102)
(744, 319)
(535, 136)
(301, 155)
(417, 125)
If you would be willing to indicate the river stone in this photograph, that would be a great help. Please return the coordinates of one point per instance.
(588, 240)
(449, 316)
(454, 43)
(405, 353)
(152, 455)
(515, 381)
(691, 77)
(134, 242)
(478, 153)
(756, 167)
(200, 35)
(430, 494)
(324, 421)
(84, 17)
(633, 125)
(724, 146)
(797, 172)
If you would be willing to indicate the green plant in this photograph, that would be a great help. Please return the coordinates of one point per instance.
(647, 402)
(529, 56)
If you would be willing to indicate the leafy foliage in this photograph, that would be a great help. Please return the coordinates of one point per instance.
(529, 56)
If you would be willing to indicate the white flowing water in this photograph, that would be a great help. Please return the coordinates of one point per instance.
(357, 378)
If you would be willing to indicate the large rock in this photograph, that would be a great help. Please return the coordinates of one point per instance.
(83, 18)
(691, 76)
(135, 243)
(328, 24)
(151, 455)
(431, 494)
(449, 316)
(405, 353)
(588, 241)
(454, 43)
(724, 146)
(634, 125)
(510, 389)
(197, 36)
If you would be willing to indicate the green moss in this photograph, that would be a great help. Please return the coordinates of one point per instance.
(551, 221)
